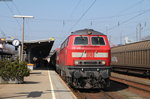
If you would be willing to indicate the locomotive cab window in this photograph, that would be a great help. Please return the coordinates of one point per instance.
(98, 41)
(81, 40)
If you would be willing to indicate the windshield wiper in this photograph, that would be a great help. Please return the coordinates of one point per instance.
(82, 37)
(83, 53)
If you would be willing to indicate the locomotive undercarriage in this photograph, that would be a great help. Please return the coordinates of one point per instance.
(86, 77)
(90, 82)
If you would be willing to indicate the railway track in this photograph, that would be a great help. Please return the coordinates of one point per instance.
(139, 85)
(94, 93)
(107, 96)
(117, 85)
(111, 93)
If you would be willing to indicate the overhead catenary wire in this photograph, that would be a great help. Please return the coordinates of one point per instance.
(72, 20)
(19, 12)
(115, 16)
(122, 15)
(75, 8)
(122, 11)
(82, 15)
(130, 7)
(44, 19)
(11, 11)
(16, 7)
(131, 18)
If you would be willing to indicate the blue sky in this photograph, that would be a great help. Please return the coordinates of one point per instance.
(57, 18)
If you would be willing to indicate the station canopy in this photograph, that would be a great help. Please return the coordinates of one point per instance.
(37, 48)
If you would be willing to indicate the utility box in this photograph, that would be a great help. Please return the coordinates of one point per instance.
(31, 66)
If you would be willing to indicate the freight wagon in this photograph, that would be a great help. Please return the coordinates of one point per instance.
(134, 58)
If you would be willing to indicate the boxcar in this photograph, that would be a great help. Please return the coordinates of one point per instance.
(134, 57)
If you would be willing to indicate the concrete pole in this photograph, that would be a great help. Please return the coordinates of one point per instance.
(19, 53)
(137, 34)
(140, 30)
(29, 55)
(22, 44)
(121, 38)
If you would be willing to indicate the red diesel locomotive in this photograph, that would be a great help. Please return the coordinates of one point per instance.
(83, 59)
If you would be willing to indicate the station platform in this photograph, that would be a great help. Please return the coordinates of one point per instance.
(41, 84)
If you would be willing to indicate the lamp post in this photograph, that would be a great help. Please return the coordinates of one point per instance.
(22, 44)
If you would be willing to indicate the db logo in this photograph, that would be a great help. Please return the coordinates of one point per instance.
(90, 54)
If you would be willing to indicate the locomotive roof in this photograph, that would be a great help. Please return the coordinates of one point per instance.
(86, 32)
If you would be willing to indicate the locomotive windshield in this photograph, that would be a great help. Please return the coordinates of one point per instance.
(81, 40)
(98, 41)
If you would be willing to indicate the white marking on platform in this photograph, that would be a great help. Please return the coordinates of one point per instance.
(51, 85)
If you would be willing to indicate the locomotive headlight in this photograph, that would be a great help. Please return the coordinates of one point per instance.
(103, 62)
(97, 69)
(76, 62)
(82, 69)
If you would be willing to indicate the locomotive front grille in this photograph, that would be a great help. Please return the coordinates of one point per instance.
(91, 62)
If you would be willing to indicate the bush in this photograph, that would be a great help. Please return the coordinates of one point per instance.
(13, 70)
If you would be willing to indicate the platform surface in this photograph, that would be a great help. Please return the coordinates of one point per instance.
(41, 84)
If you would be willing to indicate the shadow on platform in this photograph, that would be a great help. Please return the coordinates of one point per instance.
(35, 73)
(31, 82)
(35, 94)
(44, 68)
